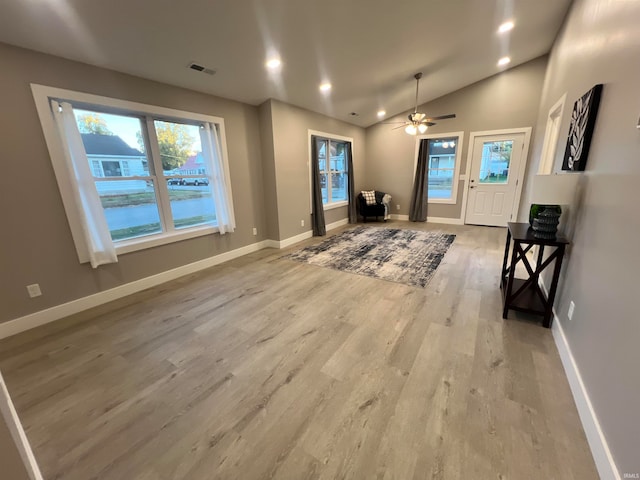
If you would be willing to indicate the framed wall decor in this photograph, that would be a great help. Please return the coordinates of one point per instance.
(583, 121)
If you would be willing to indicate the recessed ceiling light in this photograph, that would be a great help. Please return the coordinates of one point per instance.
(381, 113)
(325, 87)
(273, 63)
(504, 61)
(505, 27)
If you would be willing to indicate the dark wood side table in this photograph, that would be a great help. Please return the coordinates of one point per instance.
(525, 295)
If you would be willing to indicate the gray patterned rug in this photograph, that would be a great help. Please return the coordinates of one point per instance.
(396, 255)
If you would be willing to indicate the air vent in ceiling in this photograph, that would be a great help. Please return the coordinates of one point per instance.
(200, 68)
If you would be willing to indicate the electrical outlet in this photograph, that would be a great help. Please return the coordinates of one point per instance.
(34, 290)
(302, 223)
(398, 207)
(255, 231)
(572, 307)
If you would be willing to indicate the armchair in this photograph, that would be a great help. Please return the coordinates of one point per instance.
(375, 210)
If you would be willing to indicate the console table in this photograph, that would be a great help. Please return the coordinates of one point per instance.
(525, 295)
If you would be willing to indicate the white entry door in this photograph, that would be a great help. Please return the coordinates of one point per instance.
(495, 173)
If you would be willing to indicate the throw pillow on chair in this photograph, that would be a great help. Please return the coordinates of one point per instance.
(369, 197)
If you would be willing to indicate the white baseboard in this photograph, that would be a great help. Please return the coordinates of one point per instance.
(339, 223)
(42, 317)
(291, 240)
(21, 324)
(602, 457)
(287, 242)
(445, 220)
(597, 442)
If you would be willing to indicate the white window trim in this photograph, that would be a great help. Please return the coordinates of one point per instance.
(42, 95)
(331, 206)
(456, 174)
(330, 136)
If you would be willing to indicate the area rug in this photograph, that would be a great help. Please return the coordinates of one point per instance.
(397, 255)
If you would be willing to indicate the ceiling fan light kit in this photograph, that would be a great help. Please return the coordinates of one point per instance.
(418, 122)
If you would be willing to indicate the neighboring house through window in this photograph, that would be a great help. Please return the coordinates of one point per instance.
(160, 175)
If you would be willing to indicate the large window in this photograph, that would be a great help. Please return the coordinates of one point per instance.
(332, 163)
(444, 166)
(157, 175)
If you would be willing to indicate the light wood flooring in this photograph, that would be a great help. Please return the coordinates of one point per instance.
(267, 368)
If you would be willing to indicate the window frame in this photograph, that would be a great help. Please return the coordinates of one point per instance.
(330, 137)
(42, 95)
(457, 165)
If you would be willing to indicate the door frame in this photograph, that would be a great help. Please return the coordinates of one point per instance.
(551, 136)
(521, 170)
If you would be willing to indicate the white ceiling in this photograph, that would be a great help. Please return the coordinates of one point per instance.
(368, 49)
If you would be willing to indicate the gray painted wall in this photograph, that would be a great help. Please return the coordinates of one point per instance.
(600, 43)
(269, 170)
(507, 100)
(36, 241)
(291, 153)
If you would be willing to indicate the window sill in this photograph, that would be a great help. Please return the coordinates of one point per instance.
(150, 241)
(446, 201)
(331, 206)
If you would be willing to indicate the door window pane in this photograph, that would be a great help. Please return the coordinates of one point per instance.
(130, 208)
(185, 171)
(496, 158)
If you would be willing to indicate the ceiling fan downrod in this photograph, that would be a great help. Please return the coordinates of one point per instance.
(417, 76)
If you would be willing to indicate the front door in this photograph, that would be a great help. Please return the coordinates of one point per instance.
(495, 172)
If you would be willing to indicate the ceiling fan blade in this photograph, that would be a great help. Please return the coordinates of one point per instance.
(441, 117)
(428, 124)
(401, 126)
(392, 123)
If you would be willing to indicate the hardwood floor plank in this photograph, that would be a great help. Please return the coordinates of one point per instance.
(267, 368)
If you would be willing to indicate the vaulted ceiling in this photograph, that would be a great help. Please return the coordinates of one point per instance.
(367, 49)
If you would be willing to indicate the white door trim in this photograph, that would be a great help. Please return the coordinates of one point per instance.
(522, 168)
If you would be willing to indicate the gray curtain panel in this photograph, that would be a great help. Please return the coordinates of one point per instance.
(317, 210)
(353, 215)
(418, 209)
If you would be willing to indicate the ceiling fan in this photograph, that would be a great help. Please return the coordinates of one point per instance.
(419, 122)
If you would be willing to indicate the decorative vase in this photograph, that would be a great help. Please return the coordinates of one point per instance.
(545, 225)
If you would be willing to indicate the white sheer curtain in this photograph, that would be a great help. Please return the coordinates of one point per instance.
(99, 246)
(218, 170)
